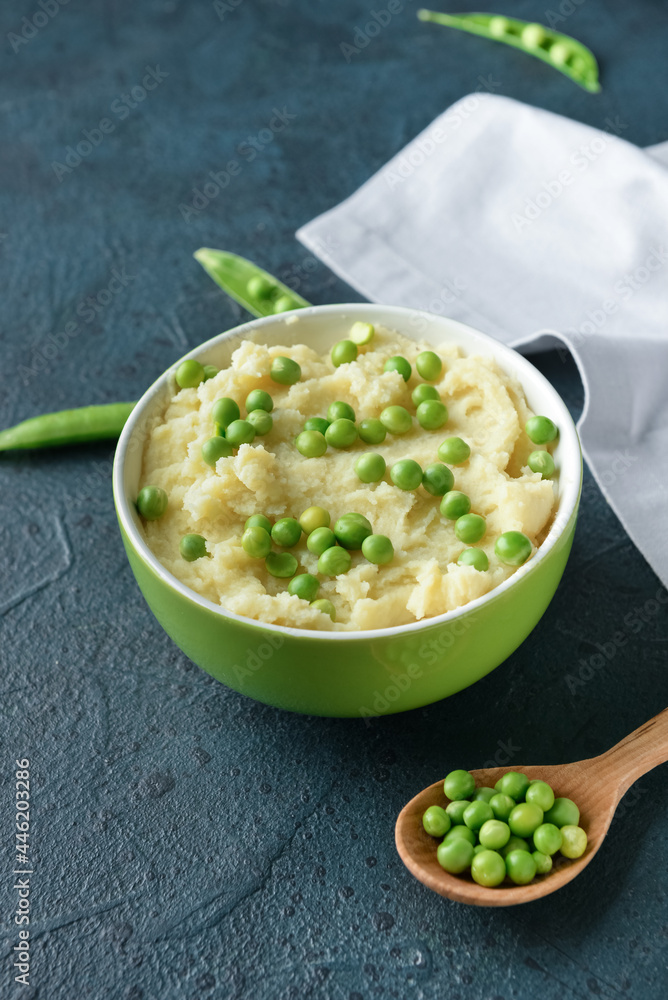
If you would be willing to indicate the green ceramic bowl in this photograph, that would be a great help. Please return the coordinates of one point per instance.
(342, 673)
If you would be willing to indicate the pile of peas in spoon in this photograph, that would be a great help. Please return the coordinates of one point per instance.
(509, 832)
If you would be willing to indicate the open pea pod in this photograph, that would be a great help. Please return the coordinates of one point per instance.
(256, 290)
(560, 51)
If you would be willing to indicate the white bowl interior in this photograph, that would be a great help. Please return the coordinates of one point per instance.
(320, 327)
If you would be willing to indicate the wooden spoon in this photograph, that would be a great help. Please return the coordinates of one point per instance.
(596, 785)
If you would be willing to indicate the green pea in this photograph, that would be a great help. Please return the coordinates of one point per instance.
(210, 371)
(370, 467)
(259, 287)
(371, 431)
(351, 530)
(311, 444)
(192, 547)
(547, 838)
(281, 564)
(474, 557)
(343, 353)
(339, 410)
(541, 430)
(215, 448)
(488, 868)
(284, 371)
(455, 810)
(502, 806)
(151, 502)
(189, 374)
(378, 549)
(399, 364)
(432, 414)
(437, 479)
(361, 333)
(533, 35)
(341, 434)
(396, 419)
(258, 521)
(454, 451)
(540, 793)
(316, 424)
(225, 411)
(326, 607)
(559, 53)
(436, 821)
(454, 856)
(455, 505)
(494, 834)
(515, 844)
(564, 812)
(520, 867)
(484, 794)
(240, 432)
(305, 585)
(286, 532)
(513, 548)
(314, 517)
(470, 528)
(574, 841)
(541, 461)
(256, 542)
(334, 561)
(478, 813)
(284, 303)
(319, 540)
(261, 421)
(514, 784)
(478, 848)
(499, 26)
(258, 399)
(461, 833)
(543, 862)
(406, 474)
(459, 785)
(525, 818)
(429, 365)
(423, 392)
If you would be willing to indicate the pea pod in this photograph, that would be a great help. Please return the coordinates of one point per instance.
(250, 286)
(562, 52)
(87, 423)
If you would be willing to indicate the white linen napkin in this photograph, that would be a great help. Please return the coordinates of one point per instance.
(535, 229)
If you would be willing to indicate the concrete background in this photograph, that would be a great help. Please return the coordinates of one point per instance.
(186, 841)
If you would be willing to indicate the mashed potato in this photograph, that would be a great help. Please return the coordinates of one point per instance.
(487, 409)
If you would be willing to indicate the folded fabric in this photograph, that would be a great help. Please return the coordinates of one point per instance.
(537, 230)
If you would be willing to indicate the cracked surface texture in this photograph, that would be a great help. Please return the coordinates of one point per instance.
(187, 842)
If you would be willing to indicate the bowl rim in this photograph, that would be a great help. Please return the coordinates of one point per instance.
(568, 502)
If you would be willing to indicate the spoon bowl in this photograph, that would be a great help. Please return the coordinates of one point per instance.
(596, 785)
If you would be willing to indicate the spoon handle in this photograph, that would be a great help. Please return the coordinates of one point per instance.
(635, 755)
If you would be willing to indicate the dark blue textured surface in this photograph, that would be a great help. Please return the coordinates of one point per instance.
(186, 841)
